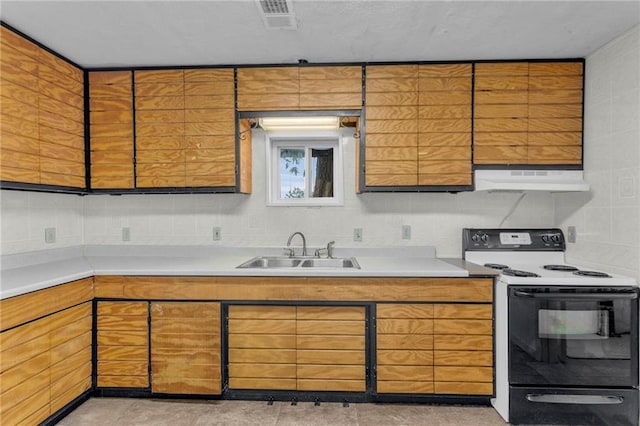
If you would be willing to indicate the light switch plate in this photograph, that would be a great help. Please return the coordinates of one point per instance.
(357, 234)
(49, 235)
(217, 233)
(126, 234)
(406, 232)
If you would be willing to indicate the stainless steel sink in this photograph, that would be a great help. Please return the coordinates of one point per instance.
(266, 262)
(330, 263)
(276, 262)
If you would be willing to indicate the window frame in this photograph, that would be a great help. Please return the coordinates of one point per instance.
(307, 139)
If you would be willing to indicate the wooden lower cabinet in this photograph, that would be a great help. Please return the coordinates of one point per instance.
(305, 348)
(123, 344)
(185, 348)
(44, 365)
(435, 348)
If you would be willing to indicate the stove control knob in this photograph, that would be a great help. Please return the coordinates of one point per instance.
(485, 238)
(555, 238)
(475, 237)
(545, 238)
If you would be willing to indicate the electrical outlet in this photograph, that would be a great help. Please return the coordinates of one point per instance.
(217, 233)
(571, 234)
(406, 232)
(49, 235)
(126, 234)
(357, 234)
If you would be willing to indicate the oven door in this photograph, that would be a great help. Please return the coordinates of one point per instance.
(578, 336)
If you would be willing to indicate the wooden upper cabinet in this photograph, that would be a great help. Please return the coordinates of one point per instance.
(299, 88)
(185, 127)
(444, 124)
(42, 106)
(111, 129)
(528, 113)
(418, 125)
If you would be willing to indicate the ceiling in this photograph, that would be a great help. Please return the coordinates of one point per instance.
(156, 33)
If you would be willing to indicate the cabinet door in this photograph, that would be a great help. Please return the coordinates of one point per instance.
(61, 122)
(42, 114)
(45, 364)
(71, 360)
(111, 116)
(391, 123)
(555, 113)
(268, 88)
(501, 113)
(528, 113)
(334, 87)
(444, 124)
(159, 117)
(209, 127)
(185, 348)
(25, 373)
(463, 349)
(404, 348)
(262, 347)
(123, 344)
(330, 343)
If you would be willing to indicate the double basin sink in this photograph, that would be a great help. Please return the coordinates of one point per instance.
(280, 262)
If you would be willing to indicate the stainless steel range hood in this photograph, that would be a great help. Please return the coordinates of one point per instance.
(530, 180)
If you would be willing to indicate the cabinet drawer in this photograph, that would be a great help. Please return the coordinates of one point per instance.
(456, 326)
(330, 313)
(262, 341)
(335, 372)
(463, 374)
(270, 356)
(330, 342)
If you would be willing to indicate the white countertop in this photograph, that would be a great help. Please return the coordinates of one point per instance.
(26, 272)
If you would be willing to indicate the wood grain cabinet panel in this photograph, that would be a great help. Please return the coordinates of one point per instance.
(392, 92)
(452, 355)
(122, 344)
(528, 113)
(185, 348)
(417, 106)
(264, 335)
(111, 106)
(310, 348)
(45, 361)
(404, 335)
(186, 129)
(42, 113)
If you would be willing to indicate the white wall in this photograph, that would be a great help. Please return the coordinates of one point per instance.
(436, 219)
(25, 215)
(608, 218)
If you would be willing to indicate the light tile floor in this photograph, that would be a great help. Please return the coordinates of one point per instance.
(153, 412)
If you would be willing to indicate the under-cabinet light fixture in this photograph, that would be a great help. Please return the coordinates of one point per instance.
(299, 123)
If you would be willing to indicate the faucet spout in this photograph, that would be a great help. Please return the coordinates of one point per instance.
(304, 242)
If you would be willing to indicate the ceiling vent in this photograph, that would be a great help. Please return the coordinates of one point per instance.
(277, 14)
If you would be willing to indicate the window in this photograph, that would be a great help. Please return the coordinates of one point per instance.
(304, 169)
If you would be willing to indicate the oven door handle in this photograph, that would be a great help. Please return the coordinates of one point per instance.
(572, 296)
(574, 399)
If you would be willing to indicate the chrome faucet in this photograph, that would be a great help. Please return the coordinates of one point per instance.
(330, 249)
(304, 243)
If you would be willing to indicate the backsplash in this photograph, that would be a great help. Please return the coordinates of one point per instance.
(26, 215)
(608, 218)
(245, 220)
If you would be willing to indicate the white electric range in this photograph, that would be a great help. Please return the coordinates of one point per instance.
(566, 337)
